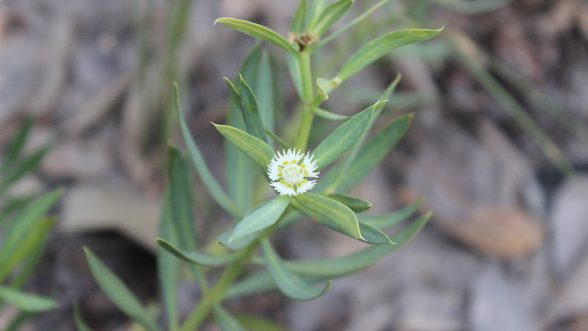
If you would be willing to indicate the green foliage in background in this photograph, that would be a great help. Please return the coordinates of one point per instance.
(256, 142)
(24, 229)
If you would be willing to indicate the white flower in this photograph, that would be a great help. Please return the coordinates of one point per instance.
(289, 172)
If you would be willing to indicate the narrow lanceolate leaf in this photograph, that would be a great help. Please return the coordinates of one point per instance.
(262, 217)
(330, 16)
(225, 320)
(343, 137)
(21, 228)
(380, 46)
(233, 92)
(265, 91)
(374, 236)
(212, 185)
(180, 191)
(182, 215)
(324, 269)
(250, 111)
(314, 12)
(255, 149)
(370, 155)
(299, 20)
(390, 219)
(168, 267)
(16, 145)
(16, 258)
(235, 244)
(23, 166)
(358, 145)
(356, 204)
(257, 31)
(239, 168)
(120, 295)
(259, 282)
(288, 282)
(201, 259)
(80, 323)
(30, 303)
(337, 267)
(329, 212)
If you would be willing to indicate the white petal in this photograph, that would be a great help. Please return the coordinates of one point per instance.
(310, 166)
(283, 189)
(306, 186)
(273, 171)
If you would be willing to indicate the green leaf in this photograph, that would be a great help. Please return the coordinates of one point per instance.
(374, 236)
(356, 204)
(329, 115)
(262, 217)
(181, 213)
(17, 321)
(390, 219)
(329, 212)
(180, 191)
(289, 283)
(257, 31)
(365, 13)
(80, 324)
(212, 185)
(315, 11)
(255, 149)
(250, 111)
(168, 267)
(341, 266)
(330, 16)
(15, 146)
(27, 302)
(30, 253)
(235, 244)
(256, 283)
(225, 320)
(343, 137)
(369, 156)
(116, 291)
(241, 172)
(265, 91)
(234, 92)
(324, 269)
(194, 257)
(358, 145)
(19, 233)
(23, 167)
(299, 20)
(382, 45)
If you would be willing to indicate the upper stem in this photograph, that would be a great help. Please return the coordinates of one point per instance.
(307, 114)
(214, 296)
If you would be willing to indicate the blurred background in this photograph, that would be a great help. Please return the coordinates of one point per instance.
(498, 148)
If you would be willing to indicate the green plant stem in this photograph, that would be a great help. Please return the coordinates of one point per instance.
(307, 114)
(214, 296)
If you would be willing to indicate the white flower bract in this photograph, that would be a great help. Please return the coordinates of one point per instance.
(289, 172)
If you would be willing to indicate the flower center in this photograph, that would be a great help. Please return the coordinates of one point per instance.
(292, 174)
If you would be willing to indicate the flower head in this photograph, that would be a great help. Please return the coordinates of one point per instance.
(289, 172)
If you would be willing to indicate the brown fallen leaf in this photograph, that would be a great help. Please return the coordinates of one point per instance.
(508, 234)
